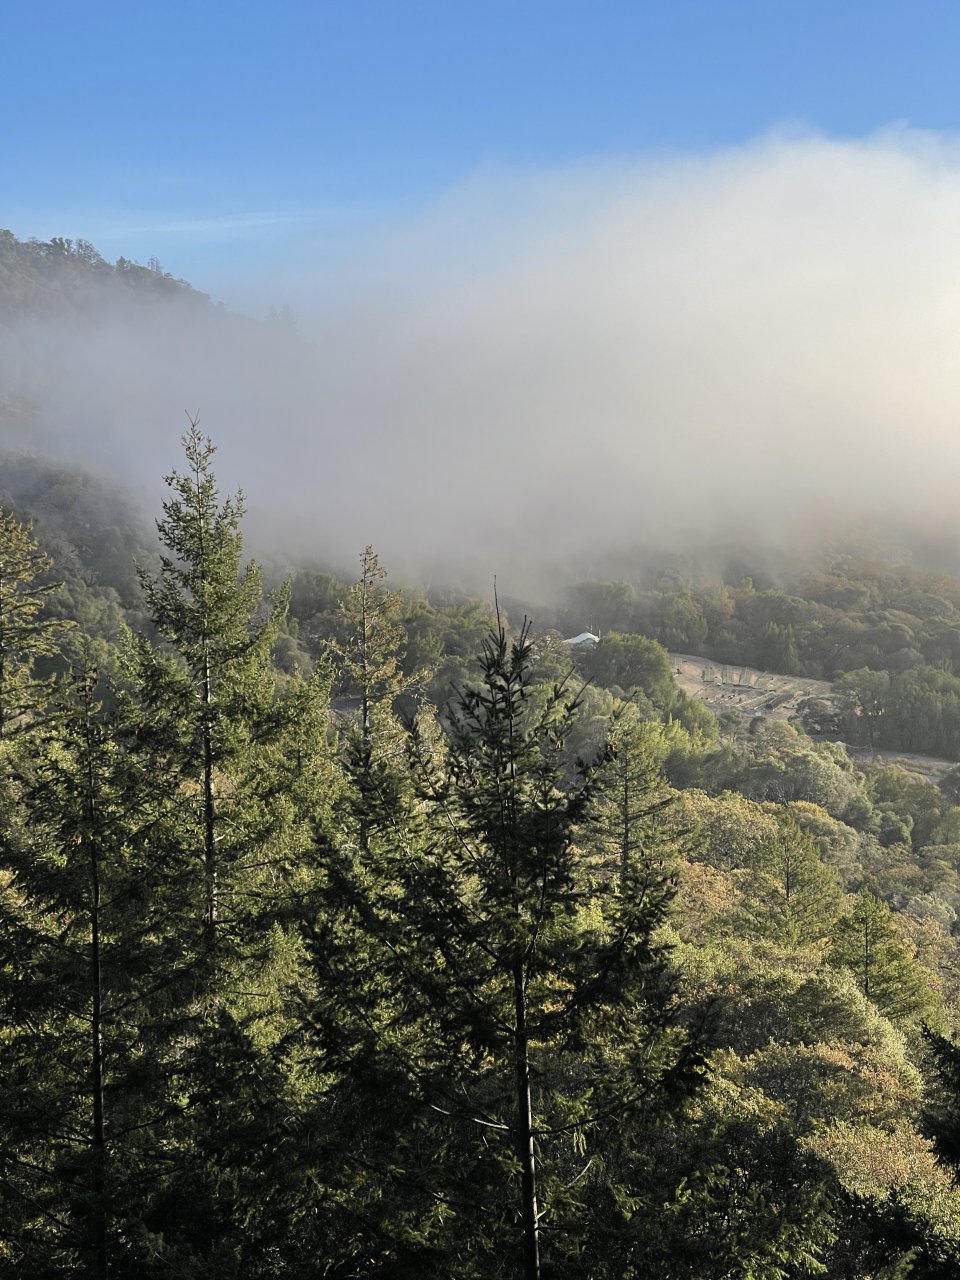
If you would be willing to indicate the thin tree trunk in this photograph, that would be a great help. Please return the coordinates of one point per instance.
(209, 812)
(625, 827)
(99, 1209)
(209, 828)
(366, 745)
(525, 1147)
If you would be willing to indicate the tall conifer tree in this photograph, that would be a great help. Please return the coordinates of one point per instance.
(247, 783)
(868, 943)
(519, 1012)
(209, 688)
(91, 983)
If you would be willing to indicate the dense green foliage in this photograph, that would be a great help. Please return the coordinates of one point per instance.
(39, 274)
(347, 932)
(853, 618)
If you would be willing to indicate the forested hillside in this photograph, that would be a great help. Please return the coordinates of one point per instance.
(62, 282)
(889, 633)
(348, 932)
(357, 930)
(47, 274)
(98, 359)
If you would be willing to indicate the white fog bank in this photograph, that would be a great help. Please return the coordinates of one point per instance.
(760, 343)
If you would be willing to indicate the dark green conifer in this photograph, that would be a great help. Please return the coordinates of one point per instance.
(247, 781)
(868, 943)
(92, 984)
(518, 1010)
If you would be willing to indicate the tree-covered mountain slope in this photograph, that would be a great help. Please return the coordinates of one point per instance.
(51, 276)
(375, 932)
(328, 896)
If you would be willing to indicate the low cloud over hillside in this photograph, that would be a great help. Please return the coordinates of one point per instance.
(759, 342)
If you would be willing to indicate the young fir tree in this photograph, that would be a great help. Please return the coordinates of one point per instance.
(637, 819)
(791, 895)
(369, 665)
(348, 1134)
(868, 943)
(519, 1011)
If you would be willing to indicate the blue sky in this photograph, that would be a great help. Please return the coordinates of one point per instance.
(217, 135)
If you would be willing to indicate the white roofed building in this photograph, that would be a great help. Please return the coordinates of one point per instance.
(584, 638)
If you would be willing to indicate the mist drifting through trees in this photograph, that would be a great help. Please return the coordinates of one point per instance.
(365, 927)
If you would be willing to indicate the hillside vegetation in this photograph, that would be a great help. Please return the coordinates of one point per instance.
(360, 931)
(341, 897)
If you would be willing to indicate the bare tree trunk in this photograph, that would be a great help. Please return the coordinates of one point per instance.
(98, 1223)
(209, 828)
(525, 1147)
(209, 812)
(625, 821)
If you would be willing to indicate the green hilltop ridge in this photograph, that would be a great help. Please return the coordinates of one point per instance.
(64, 285)
(44, 275)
